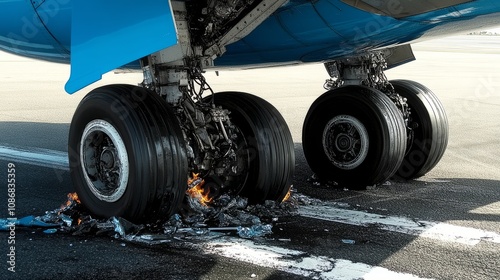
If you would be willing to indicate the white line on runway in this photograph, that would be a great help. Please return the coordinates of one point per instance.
(35, 156)
(439, 231)
(299, 263)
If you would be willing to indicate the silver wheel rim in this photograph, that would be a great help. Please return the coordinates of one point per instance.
(104, 160)
(345, 142)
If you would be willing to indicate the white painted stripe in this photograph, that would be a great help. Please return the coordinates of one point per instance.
(35, 156)
(439, 231)
(299, 263)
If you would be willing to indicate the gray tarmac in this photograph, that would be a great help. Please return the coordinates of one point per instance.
(462, 192)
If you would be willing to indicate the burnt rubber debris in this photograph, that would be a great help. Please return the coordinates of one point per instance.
(196, 220)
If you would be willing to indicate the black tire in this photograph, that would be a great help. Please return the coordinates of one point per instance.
(430, 134)
(268, 145)
(145, 133)
(354, 136)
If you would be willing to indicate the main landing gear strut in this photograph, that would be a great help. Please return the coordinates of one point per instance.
(366, 130)
(133, 148)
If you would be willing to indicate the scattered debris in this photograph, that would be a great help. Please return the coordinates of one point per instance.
(348, 241)
(28, 221)
(200, 218)
(317, 182)
(254, 231)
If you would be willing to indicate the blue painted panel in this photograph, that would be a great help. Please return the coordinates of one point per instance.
(356, 31)
(22, 33)
(303, 23)
(56, 16)
(459, 12)
(272, 36)
(108, 34)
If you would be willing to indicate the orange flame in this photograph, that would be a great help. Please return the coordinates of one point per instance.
(72, 197)
(288, 195)
(196, 189)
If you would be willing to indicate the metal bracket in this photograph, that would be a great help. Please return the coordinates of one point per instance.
(246, 25)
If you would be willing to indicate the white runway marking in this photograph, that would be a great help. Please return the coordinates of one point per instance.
(439, 231)
(35, 156)
(299, 263)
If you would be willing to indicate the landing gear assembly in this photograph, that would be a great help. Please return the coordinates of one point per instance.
(366, 130)
(133, 148)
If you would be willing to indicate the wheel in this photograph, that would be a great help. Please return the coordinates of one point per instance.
(127, 155)
(355, 136)
(430, 133)
(267, 146)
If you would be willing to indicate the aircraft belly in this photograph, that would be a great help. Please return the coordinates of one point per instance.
(108, 36)
(22, 33)
(315, 31)
(56, 17)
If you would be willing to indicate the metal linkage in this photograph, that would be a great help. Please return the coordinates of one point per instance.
(367, 70)
(204, 28)
(211, 138)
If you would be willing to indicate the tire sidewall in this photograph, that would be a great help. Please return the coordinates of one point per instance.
(94, 107)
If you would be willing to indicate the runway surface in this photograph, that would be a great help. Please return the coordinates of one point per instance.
(445, 225)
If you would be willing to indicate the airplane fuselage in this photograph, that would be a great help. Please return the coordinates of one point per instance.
(299, 31)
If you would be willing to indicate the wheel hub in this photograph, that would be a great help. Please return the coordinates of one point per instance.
(108, 158)
(104, 160)
(345, 142)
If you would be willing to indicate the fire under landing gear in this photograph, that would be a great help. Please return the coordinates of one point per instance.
(131, 153)
(366, 130)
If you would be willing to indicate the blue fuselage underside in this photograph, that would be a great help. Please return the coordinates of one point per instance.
(300, 31)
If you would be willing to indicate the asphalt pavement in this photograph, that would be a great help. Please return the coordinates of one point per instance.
(445, 225)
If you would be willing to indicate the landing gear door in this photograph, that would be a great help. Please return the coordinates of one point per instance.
(106, 35)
